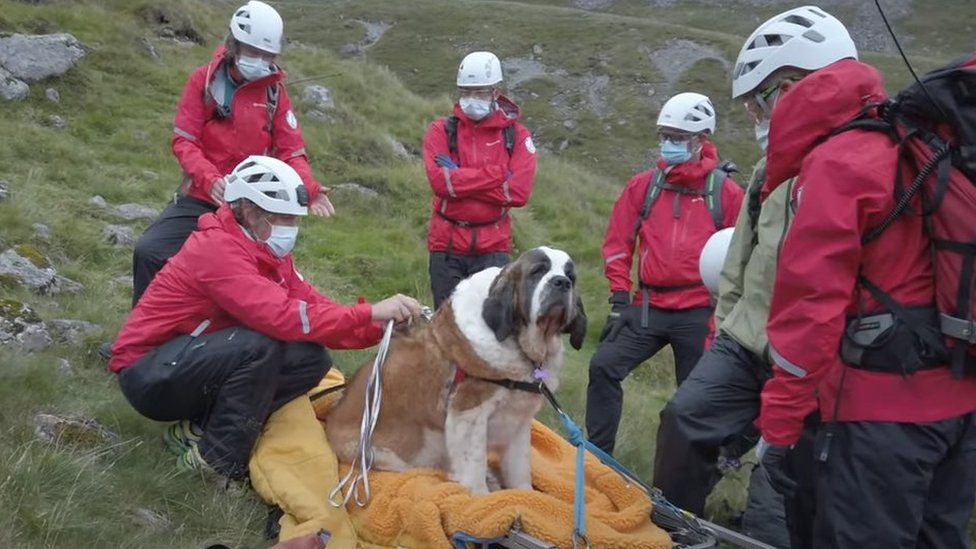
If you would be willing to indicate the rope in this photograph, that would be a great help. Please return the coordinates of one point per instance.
(357, 482)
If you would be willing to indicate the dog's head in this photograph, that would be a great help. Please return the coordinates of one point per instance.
(537, 291)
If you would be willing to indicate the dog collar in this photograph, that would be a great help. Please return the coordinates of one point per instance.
(527, 386)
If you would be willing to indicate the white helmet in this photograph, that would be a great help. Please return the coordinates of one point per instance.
(270, 184)
(479, 69)
(258, 25)
(713, 257)
(807, 38)
(691, 112)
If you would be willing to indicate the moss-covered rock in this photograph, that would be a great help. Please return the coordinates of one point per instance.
(32, 254)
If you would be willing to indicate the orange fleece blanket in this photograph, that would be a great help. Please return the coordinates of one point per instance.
(420, 509)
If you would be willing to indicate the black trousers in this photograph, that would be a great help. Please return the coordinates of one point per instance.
(163, 239)
(228, 382)
(446, 270)
(685, 330)
(896, 485)
(717, 404)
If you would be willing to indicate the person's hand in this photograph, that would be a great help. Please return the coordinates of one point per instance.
(400, 309)
(217, 191)
(445, 161)
(322, 206)
(619, 302)
(772, 457)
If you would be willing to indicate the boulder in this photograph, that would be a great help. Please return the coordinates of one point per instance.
(11, 88)
(36, 57)
(72, 332)
(72, 429)
(132, 212)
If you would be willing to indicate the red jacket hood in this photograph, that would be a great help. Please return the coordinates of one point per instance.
(223, 220)
(815, 107)
(693, 174)
(218, 57)
(506, 114)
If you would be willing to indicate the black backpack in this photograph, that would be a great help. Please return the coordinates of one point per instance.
(712, 194)
(450, 127)
(934, 126)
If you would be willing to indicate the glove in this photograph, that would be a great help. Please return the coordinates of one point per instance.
(772, 457)
(445, 161)
(616, 320)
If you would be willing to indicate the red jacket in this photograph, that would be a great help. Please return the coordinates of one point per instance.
(223, 276)
(845, 188)
(669, 245)
(486, 185)
(208, 147)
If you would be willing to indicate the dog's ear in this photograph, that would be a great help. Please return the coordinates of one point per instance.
(577, 327)
(499, 308)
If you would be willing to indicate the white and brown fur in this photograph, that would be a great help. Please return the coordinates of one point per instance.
(498, 324)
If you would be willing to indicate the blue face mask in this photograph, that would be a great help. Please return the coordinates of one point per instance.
(675, 153)
(253, 68)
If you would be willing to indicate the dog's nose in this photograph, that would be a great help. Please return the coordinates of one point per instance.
(562, 283)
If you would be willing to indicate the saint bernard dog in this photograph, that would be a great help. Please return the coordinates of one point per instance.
(467, 384)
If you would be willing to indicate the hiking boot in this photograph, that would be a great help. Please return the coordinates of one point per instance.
(180, 436)
(192, 461)
(105, 351)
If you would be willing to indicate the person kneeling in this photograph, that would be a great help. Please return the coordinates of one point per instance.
(229, 331)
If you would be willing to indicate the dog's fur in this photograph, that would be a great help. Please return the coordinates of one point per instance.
(498, 324)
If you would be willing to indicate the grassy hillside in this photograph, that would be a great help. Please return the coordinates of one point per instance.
(599, 94)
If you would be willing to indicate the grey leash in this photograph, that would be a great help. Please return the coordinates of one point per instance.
(356, 482)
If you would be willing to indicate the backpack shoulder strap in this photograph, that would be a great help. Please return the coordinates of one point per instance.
(754, 195)
(713, 196)
(272, 101)
(450, 127)
(653, 192)
(508, 134)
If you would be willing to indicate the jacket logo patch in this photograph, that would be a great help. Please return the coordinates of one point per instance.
(292, 121)
(529, 145)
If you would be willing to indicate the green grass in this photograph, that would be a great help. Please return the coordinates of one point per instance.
(119, 105)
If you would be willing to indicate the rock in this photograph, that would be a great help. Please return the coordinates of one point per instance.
(72, 429)
(36, 57)
(357, 188)
(11, 88)
(97, 201)
(34, 339)
(15, 318)
(72, 332)
(124, 281)
(399, 150)
(56, 121)
(34, 272)
(149, 174)
(119, 235)
(564, 145)
(4, 190)
(41, 231)
(350, 50)
(569, 124)
(135, 211)
(52, 95)
(316, 114)
(319, 96)
(150, 49)
(537, 49)
(65, 368)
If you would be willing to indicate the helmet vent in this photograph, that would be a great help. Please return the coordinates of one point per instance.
(797, 20)
(814, 36)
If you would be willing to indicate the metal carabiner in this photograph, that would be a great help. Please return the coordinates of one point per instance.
(577, 537)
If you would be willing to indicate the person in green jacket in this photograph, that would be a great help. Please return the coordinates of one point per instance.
(719, 401)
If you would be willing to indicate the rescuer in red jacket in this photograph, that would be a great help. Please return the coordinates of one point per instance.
(480, 164)
(228, 331)
(232, 107)
(666, 214)
(897, 450)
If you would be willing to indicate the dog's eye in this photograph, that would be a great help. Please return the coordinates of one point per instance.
(539, 270)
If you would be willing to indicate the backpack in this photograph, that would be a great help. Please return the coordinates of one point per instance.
(712, 194)
(450, 127)
(935, 128)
